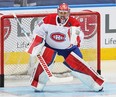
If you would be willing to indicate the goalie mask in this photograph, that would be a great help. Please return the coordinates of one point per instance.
(63, 12)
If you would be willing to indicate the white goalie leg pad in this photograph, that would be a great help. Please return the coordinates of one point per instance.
(84, 72)
(39, 77)
(38, 86)
(87, 80)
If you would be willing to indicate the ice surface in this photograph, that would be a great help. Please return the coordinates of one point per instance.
(16, 88)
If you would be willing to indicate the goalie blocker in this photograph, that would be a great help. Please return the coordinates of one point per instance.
(84, 72)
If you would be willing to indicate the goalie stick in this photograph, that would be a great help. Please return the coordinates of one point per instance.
(45, 67)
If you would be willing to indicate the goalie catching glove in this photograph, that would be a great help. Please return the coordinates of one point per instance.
(36, 46)
(77, 36)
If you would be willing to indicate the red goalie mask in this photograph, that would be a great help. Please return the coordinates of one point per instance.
(63, 12)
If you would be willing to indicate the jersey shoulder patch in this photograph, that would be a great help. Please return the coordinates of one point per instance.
(73, 21)
(50, 19)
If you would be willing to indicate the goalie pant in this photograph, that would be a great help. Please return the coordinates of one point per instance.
(79, 68)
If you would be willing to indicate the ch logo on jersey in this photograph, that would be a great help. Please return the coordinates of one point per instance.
(58, 37)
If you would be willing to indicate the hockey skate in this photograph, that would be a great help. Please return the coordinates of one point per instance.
(39, 88)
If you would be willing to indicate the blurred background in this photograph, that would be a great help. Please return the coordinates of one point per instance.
(11, 3)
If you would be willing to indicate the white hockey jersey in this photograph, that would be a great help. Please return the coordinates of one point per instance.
(56, 35)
